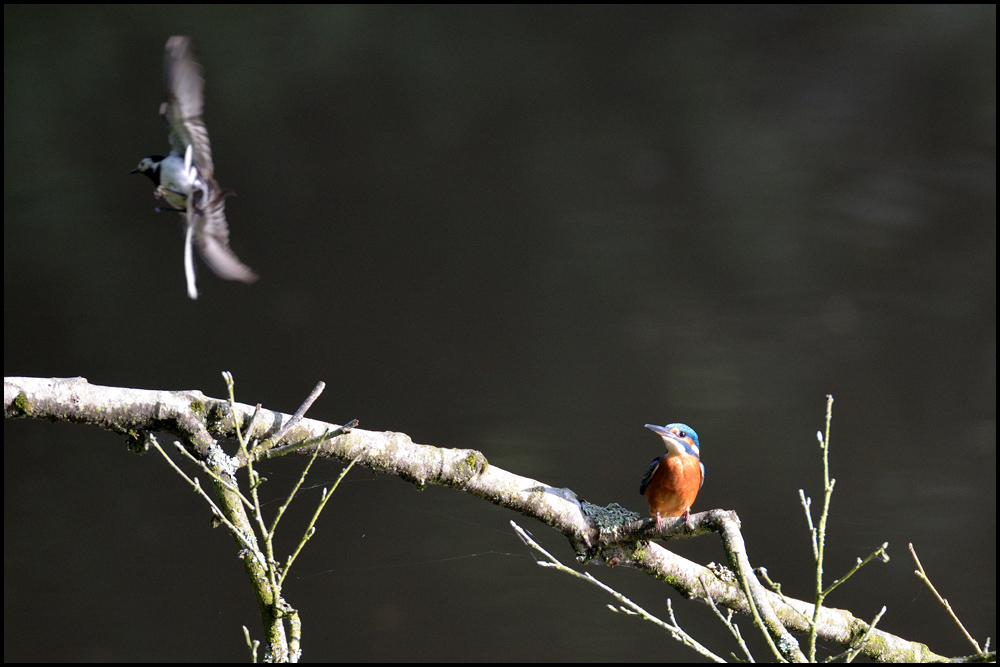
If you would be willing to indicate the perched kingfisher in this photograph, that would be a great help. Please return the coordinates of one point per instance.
(674, 479)
(184, 179)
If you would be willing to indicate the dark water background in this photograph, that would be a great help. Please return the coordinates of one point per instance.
(527, 231)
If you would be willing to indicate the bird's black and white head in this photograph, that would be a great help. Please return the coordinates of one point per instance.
(150, 166)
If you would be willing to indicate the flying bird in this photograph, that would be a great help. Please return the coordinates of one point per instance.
(185, 179)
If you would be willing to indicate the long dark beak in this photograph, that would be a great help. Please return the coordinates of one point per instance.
(661, 431)
(672, 441)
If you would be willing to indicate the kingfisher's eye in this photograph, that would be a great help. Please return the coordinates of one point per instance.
(682, 434)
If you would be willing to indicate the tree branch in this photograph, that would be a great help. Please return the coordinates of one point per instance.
(612, 534)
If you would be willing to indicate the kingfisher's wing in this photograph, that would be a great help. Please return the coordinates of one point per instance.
(649, 475)
(212, 239)
(183, 106)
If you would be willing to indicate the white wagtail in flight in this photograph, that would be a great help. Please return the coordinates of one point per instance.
(184, 179)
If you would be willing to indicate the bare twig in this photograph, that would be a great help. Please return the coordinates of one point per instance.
(295, 489)
(850, 655)
(629, 607)
(879, 553)
(301, 412)
(311, 528)
(727, 620)
(251, 644)
(254, 482)
(306, 442)
(196, 485)
(923, 576)
(819, 532)
(776, 587)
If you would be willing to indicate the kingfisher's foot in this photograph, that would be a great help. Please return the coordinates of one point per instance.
(687, 520)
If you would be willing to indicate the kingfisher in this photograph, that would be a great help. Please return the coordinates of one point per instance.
(184, 179)
(673, 480)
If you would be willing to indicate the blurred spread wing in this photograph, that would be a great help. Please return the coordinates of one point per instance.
(183, 105)
(212, 239)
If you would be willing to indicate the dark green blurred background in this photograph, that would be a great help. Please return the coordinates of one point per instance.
(527, 231)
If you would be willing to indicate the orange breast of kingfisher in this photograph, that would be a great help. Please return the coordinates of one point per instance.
(674, 485)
